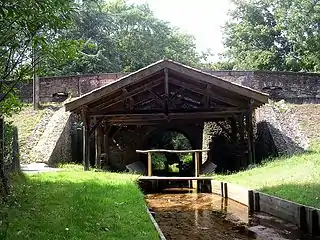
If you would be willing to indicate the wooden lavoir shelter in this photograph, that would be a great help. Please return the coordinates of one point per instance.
(165, 93)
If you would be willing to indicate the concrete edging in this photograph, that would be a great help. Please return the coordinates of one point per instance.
(305, 217)
(156, 226)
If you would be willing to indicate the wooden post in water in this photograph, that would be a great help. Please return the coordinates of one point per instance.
(196, 164)
(149, 164)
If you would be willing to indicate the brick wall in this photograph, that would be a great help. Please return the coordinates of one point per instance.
(293, 87)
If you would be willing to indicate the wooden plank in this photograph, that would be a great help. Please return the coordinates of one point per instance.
(237, 193)
(171, 151)
(149, 164)
(166, 82)
(173, 178)
(279, 208)
(216, 187)
(156, 226)
(196, 164)
(196, 114)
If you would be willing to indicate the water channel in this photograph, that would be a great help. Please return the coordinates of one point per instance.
(203, 216)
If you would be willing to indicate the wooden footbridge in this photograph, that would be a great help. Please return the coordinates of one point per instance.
(196, 158)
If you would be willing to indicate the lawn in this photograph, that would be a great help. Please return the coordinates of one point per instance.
(295, 178)
(73, 204)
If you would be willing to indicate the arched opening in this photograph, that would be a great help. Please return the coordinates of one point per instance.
(170, 164)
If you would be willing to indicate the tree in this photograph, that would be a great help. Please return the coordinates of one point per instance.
(274, 35)
(114, 36)
(25, 24)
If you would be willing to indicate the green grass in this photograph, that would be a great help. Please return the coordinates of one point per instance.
(73, 204)
(295, 178)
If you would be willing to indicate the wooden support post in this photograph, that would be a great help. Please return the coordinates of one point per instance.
(250, 201)
(106, 144)
(250, 135)
(315, 231)
(196, 164)
(225, 187)
(149, 164)
(97, 142)
(166, 90)
(256, 202)
(303, 223)
(86, 120)
(242, 142)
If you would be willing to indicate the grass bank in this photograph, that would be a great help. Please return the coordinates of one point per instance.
(295, 178)
(73, 204)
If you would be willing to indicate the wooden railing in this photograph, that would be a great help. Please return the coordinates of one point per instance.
(195, 152)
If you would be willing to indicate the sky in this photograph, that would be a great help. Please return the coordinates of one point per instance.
(201, 18)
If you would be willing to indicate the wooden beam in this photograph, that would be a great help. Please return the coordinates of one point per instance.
(206, 92)
(197, 164)
(157, 98)
(123, 96)
(250, 134)
(149, 165)
(85, 132)
(174, 178)
(106, 143)
(97, 136)
(172, 151)
(166, 90)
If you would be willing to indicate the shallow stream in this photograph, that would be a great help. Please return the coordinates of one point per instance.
(208, 216)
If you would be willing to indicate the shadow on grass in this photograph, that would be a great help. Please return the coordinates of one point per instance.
(306, 194)
(77, 205)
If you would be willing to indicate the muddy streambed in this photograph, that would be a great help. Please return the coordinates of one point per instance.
(208, 216)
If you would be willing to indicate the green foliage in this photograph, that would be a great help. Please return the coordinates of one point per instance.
(73, 204)
(25, 25)
(158, 161)
(114, 36)
(274, 35)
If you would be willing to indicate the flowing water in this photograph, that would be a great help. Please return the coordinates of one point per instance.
(208, 216)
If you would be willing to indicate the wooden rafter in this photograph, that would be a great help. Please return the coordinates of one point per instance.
(132, 93)
(205, 92)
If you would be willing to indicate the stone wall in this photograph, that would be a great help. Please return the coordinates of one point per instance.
(286, 136)
(73, 86)
(54, 146)
(292, 87)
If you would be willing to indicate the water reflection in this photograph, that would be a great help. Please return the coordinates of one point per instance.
(198, 216)
(208, 216)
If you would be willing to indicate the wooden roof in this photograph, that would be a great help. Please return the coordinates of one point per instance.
(167, 87)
